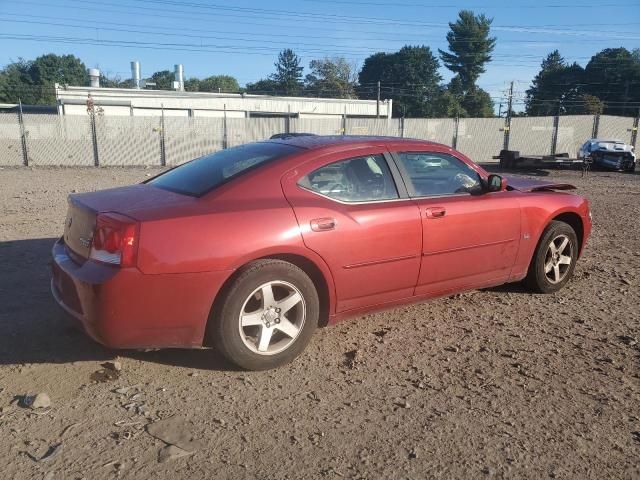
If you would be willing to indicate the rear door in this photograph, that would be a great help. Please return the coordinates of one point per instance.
(470, 239)
(352, 213)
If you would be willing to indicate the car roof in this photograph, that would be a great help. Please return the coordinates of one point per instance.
(312, 142)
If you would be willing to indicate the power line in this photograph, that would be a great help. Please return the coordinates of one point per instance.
(333, 18)
(457, 6)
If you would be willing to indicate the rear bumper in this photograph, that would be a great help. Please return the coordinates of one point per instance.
(614, 161)
(124, 308)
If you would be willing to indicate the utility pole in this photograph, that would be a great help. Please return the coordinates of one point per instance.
(507, 125)
(378, 102)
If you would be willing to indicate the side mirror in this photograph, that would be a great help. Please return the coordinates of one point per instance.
(496, 183)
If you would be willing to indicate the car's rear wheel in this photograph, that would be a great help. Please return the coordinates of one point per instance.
(554, 259)
(267, 315)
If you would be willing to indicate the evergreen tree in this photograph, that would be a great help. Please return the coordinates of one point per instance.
(470, 47)
(288, 74)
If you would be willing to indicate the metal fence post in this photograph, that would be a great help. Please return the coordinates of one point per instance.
(94, 140)
(23, 136)
(163, 153)
(344, 123)
(634, 131)
(401, 127)
(596, 125)
(287, 122)
(224, 128)
(454, 142)
(554, 134)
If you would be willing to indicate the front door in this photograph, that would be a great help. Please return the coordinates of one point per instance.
(470, 238)
(368, 232)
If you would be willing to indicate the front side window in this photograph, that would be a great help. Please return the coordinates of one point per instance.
(206, 173)
(361, 179)
(432, 174)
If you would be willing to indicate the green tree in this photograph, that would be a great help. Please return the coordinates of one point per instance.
(476, 102)
(223, 83)
(288, 75)
(265, 87)
(470, 47)
(592, 105)
(613, 76)
(331, 77)
(409, 77)
(163, 80)
(16, 84)
(557, 88)
(33, 81)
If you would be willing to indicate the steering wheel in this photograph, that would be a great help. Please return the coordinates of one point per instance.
(462, 183)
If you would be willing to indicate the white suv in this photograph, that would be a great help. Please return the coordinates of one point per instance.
(609, 154)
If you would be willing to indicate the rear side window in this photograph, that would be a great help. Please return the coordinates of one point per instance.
(202, 175)
(361, 179)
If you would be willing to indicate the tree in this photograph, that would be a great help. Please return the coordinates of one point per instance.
(265, 87)
(470, 47)
(613, 76)
(163, 80)
(115, 81)
(476, 102)
(16, 84)
(410, 77)
(288, 74)
(215, 83)
(331, 77)
(33, 81)
(592, 105)
(557, 88)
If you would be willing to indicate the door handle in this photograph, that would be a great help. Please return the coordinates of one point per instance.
(323, 224)
(435, 212)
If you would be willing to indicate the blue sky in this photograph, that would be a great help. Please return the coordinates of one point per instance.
(242, 37)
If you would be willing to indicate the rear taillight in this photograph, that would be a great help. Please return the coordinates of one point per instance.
(115, 240)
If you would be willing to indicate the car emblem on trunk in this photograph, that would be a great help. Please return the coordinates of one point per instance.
(86, 242)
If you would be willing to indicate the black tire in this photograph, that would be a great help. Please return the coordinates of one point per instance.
(225, 333)
(537, 279)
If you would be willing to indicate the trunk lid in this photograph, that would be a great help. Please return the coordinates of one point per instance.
(140, 202)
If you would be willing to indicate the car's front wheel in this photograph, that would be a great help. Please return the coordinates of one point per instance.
(554, 259)
(267, 316)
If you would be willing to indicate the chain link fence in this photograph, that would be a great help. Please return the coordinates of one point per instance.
(55, 140)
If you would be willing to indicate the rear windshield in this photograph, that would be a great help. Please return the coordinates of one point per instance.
(203, 174)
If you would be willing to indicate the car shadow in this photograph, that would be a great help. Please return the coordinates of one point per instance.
(33, 328)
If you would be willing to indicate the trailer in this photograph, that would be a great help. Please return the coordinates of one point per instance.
(511, 159)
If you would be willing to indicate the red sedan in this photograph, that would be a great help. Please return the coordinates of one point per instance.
(250, 249)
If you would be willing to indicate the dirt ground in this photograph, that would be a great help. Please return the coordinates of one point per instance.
(497, 383)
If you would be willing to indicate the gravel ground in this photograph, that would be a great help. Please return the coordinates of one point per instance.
(495, 383)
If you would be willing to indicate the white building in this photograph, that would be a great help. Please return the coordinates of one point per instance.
(140, 102)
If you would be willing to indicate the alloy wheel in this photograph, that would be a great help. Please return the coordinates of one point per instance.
(272, 317)
(558, 259)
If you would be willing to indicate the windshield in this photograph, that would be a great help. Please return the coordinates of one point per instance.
(202, 175)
